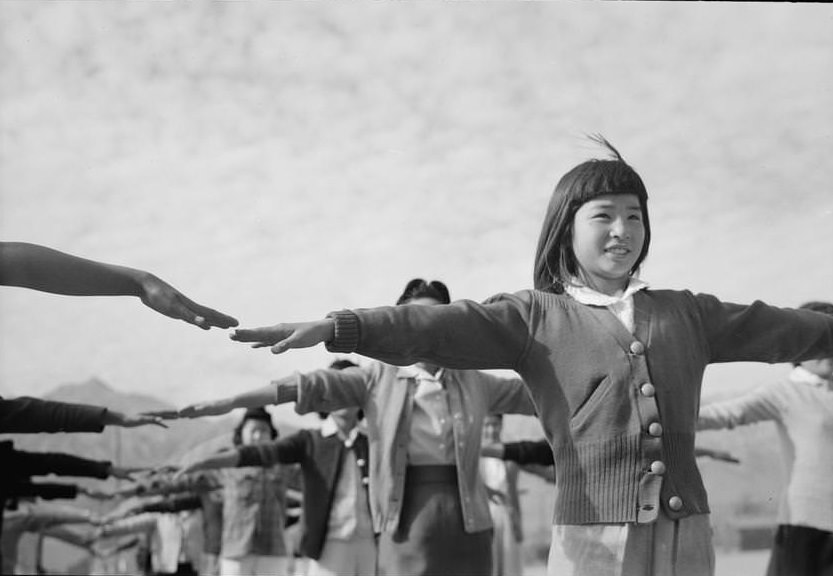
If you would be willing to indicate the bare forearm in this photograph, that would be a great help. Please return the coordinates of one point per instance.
(48, 270)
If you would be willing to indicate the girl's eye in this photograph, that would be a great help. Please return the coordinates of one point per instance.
(636, 217)
(602, 215)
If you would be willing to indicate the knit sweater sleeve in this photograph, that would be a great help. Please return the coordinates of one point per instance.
(759, 405)
(762, 333)
(461, 335)
(32, 415)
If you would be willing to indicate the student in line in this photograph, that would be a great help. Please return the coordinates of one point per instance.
(614, 367)
(429, 505)
(802, 409)
(337, 530)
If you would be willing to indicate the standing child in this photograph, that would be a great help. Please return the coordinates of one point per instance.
(429, 506)
(614, 369)
(802, 409)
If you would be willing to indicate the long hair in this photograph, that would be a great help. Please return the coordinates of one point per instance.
(419, 288)
(555, 261)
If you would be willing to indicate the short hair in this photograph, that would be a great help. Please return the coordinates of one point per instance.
(419, 288)
(555, 261)
(253, 414)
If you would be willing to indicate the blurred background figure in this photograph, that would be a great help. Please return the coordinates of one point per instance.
(501, 480)
(254, 507)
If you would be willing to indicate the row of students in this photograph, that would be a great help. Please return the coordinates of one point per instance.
(614, 368)
(40, 268)
(429, 506)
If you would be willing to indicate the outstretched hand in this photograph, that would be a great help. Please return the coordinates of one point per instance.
(165, 299)
(114, 418)
(124, 472)
(200, 409)
(96, 493)
(282, 337)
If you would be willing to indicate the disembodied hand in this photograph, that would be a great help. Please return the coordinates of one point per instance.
(96, 494)
(114, 418)
(282, 337)
(165, 299)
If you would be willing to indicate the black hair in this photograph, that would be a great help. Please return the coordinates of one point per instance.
(419, 288)
(338, 364)
(253, 414)
(555, 261)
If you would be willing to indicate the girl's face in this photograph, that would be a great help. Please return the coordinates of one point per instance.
(255, 431)
(607, 239)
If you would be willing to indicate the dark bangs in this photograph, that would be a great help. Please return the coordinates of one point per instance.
(555, 261)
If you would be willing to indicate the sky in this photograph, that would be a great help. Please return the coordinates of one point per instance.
(278, 161)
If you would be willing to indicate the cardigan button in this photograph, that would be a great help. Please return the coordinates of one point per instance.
(647, 389)
(655, 429)
(658, 467)
(675, 503)
(360, 461)
(637, 348)
(365, 480)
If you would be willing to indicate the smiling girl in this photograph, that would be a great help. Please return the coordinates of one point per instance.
(614, 369)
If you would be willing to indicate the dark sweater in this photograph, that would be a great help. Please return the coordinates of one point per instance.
(622, 449)
(321, 459)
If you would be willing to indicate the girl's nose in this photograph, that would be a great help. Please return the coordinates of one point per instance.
(618, 229)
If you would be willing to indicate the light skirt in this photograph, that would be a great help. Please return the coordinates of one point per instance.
(663, 548)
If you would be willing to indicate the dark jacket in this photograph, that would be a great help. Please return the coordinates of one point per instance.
(321, 459)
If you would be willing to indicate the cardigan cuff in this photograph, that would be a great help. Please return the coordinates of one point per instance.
(346, 338)
(286, 389)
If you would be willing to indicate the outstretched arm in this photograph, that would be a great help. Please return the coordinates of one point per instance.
(255, 398)
(463, 335)
(225, 459)
(755, 406)
(40, 268)
(29, 415)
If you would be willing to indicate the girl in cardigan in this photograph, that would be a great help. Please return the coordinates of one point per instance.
(614, 369)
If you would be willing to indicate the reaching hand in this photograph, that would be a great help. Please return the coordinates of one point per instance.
(96, 494)
(124, 473)
(165, 299)
(213, 408)
(114, 418)
(282, 337)
(162, 414)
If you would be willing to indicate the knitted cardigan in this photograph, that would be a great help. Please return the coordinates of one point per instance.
(619, 409)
